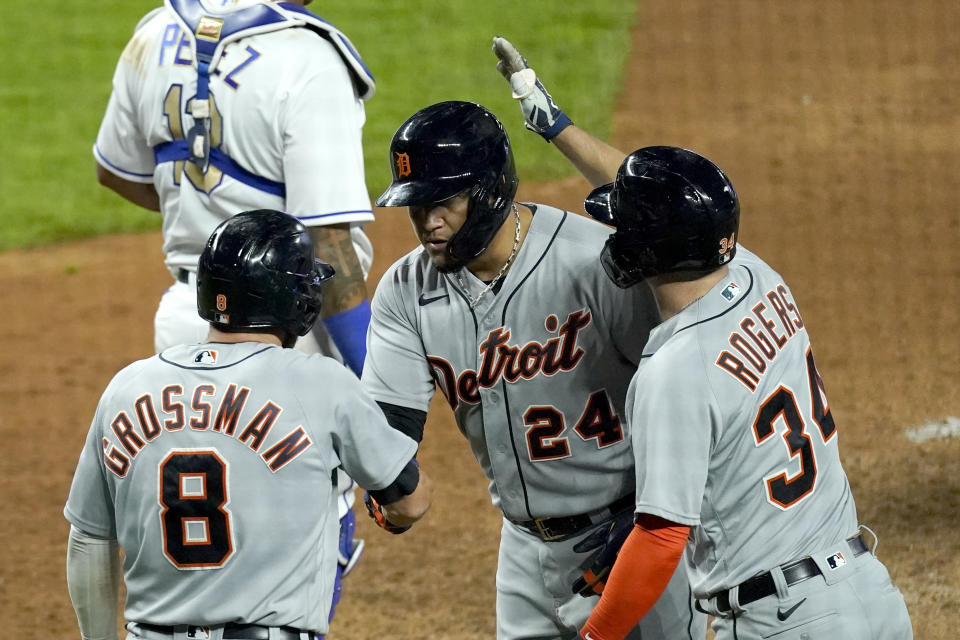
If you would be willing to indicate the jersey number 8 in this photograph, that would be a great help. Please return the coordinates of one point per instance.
(194, 521)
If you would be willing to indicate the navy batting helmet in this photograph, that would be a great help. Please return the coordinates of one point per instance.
(673, 210)
(258, 271)
(444, 150)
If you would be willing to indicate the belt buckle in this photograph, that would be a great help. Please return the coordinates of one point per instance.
(544, 531)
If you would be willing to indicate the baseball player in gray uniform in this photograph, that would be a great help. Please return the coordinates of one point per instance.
(735, 445)
(221, 106)
(213, 465)
(505, 308)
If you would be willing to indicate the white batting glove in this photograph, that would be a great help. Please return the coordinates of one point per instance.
(540, 113)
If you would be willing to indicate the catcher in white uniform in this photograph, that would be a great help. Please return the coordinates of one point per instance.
(213, 465)
(505, 308)
(220, 107)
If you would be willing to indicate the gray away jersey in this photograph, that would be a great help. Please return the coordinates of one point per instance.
(536, 375)
(212, 465)
(732, 432)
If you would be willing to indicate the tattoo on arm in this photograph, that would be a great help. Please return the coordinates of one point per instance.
(347, 288)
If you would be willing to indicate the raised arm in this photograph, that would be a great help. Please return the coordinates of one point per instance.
(596, 160)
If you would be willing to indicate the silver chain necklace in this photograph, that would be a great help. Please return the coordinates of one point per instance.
(513, 254)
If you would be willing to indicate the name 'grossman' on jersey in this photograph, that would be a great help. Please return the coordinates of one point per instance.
(142, 425)
(762, 336)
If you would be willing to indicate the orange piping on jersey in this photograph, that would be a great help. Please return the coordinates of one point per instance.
(752, 366)
(260, 425)
(116, 462)
(203, 421)
(746, 349)
(759, 337)
(176, 408)
(544, 442)
(123, 429)
(499, 360)
(781, 308)
(797, 321)
(735, 367)
(230, 407)
(147, 417)
(287, 449)
(769, 325)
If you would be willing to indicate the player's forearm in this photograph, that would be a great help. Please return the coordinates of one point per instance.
(596, 160)
(410, 508)
(93, 581)
(143, 194)
(346, 308)
(643, 569)
(347, 288)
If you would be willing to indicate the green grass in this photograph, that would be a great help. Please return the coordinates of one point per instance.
(59, 60)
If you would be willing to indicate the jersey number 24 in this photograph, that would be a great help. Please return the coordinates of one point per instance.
(545, 424)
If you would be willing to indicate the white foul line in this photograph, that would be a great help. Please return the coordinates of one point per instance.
(948, 428)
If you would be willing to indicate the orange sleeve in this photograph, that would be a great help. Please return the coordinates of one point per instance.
(644, 566)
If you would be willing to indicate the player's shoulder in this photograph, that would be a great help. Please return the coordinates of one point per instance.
(131, 374)
(153, 18)
(745, 257)
(412, 270)
(568, 226)
(317, 367)
(405, 282)
(670, 362)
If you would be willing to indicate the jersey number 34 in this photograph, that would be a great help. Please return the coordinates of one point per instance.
(784, 491)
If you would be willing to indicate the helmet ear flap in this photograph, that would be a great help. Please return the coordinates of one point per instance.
(489, 206)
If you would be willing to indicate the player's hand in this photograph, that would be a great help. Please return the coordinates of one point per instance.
(540, 113)
(375, 511)
(605, 543)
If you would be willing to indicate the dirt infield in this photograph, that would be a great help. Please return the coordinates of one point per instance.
(837, 122)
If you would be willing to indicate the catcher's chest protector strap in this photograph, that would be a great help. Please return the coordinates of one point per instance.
(213, 28)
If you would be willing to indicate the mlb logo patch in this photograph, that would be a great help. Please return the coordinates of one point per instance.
(731, 291)
(206, 357)
(836, 560)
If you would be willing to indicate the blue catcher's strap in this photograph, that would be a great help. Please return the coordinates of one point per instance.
(210, 33)
(178, 150)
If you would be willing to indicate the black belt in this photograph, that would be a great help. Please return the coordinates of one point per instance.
(762, 586)
(232, 631)
(561, 527)
(183, 275)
